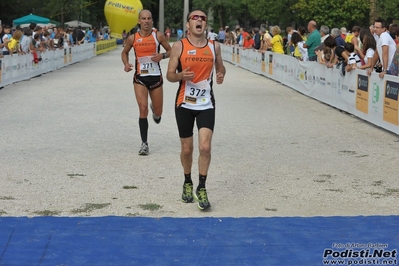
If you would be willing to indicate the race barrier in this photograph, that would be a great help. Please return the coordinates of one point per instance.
(105, 46)
(23, 67)
(367, 97)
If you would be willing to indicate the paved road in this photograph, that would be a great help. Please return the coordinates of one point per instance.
(69, 141)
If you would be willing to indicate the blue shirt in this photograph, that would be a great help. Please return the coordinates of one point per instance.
(222, 35)
(340, 41)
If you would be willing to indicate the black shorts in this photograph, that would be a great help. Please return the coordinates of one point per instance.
(151, 82)
(185, 120)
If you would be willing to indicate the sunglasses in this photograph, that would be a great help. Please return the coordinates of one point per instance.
(196, 17)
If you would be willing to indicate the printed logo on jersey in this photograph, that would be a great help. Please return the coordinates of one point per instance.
(139, 40)
(192, 52)
(206, 52)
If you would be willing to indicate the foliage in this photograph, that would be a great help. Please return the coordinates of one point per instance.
(339, 13)
(248, 13)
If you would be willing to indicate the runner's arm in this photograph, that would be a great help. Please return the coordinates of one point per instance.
(220, 69)
(171, 75)
(125, 54)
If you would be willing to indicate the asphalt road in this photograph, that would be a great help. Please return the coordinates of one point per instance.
(69, 141)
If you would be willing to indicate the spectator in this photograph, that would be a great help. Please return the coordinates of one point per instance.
(299, 51)
(13, 44)
(230, 37)
(372, 29)
(93, 35)
(339, 57)
(325, 56)
(256, 37)
(238, 36)
(395, 61)
(343, 33)
(276, 43)
(302, 32)
(355, 36)
(221, 35)
(79, 36)
(386, 47)
(167, 33)
(106, 35)
(392, 31)
(243, 39)
(212, 35)
(367, 52)
(248, 42)
(179, 34)
(313, 41)
(26, 41)
(353, 59)
(6, 37)
(290, 47)
(336, 34)
(324, 33)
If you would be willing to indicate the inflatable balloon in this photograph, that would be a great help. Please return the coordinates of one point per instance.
(122, 15)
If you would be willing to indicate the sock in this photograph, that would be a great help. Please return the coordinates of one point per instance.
(202, 180)
(143, 124)
(187, 179)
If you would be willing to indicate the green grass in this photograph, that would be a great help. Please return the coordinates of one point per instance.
(47, 213)
(89, 207)
(150, 206)
(7, 198)
(129, 187)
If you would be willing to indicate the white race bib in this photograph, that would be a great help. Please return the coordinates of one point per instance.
(197, 93)
(148, 67)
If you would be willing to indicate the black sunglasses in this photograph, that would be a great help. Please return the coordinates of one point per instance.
(196, 17)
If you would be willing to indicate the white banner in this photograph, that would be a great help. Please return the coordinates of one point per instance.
(21, 67)
(367, 97)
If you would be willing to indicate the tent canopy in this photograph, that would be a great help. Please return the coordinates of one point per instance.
(31, 19)
(77, 23)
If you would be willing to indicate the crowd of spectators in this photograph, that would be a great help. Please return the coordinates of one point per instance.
(372, 48)
(36, 39)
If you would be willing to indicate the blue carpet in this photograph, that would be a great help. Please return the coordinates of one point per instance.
(199, 241)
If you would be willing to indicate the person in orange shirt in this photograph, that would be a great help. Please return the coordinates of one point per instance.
(192, 63)
(147, 78)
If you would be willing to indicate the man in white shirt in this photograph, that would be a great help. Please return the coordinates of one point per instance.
(386, 47)
(212, 35)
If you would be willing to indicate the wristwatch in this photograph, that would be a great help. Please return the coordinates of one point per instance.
(164, 56)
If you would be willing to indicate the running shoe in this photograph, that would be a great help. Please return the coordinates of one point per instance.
(144, 150)
(202, 198)
(157, 119)
(187, 196)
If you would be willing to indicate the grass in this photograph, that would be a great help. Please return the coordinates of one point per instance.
(89, 207)
(150, 206)
(7, 198)
(335, 190)
(129, 187)
(75, 175)
(47, 213)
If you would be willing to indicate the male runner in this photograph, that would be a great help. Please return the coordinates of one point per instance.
(191, 64)
(147, 78)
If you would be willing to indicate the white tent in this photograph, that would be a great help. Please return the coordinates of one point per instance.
(77, 23)
(38, 24)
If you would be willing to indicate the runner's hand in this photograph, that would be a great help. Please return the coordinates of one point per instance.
(219, 78)
(186, 74)
(156, 57)
(128, 67)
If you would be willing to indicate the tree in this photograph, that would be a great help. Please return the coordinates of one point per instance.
(339, 13)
